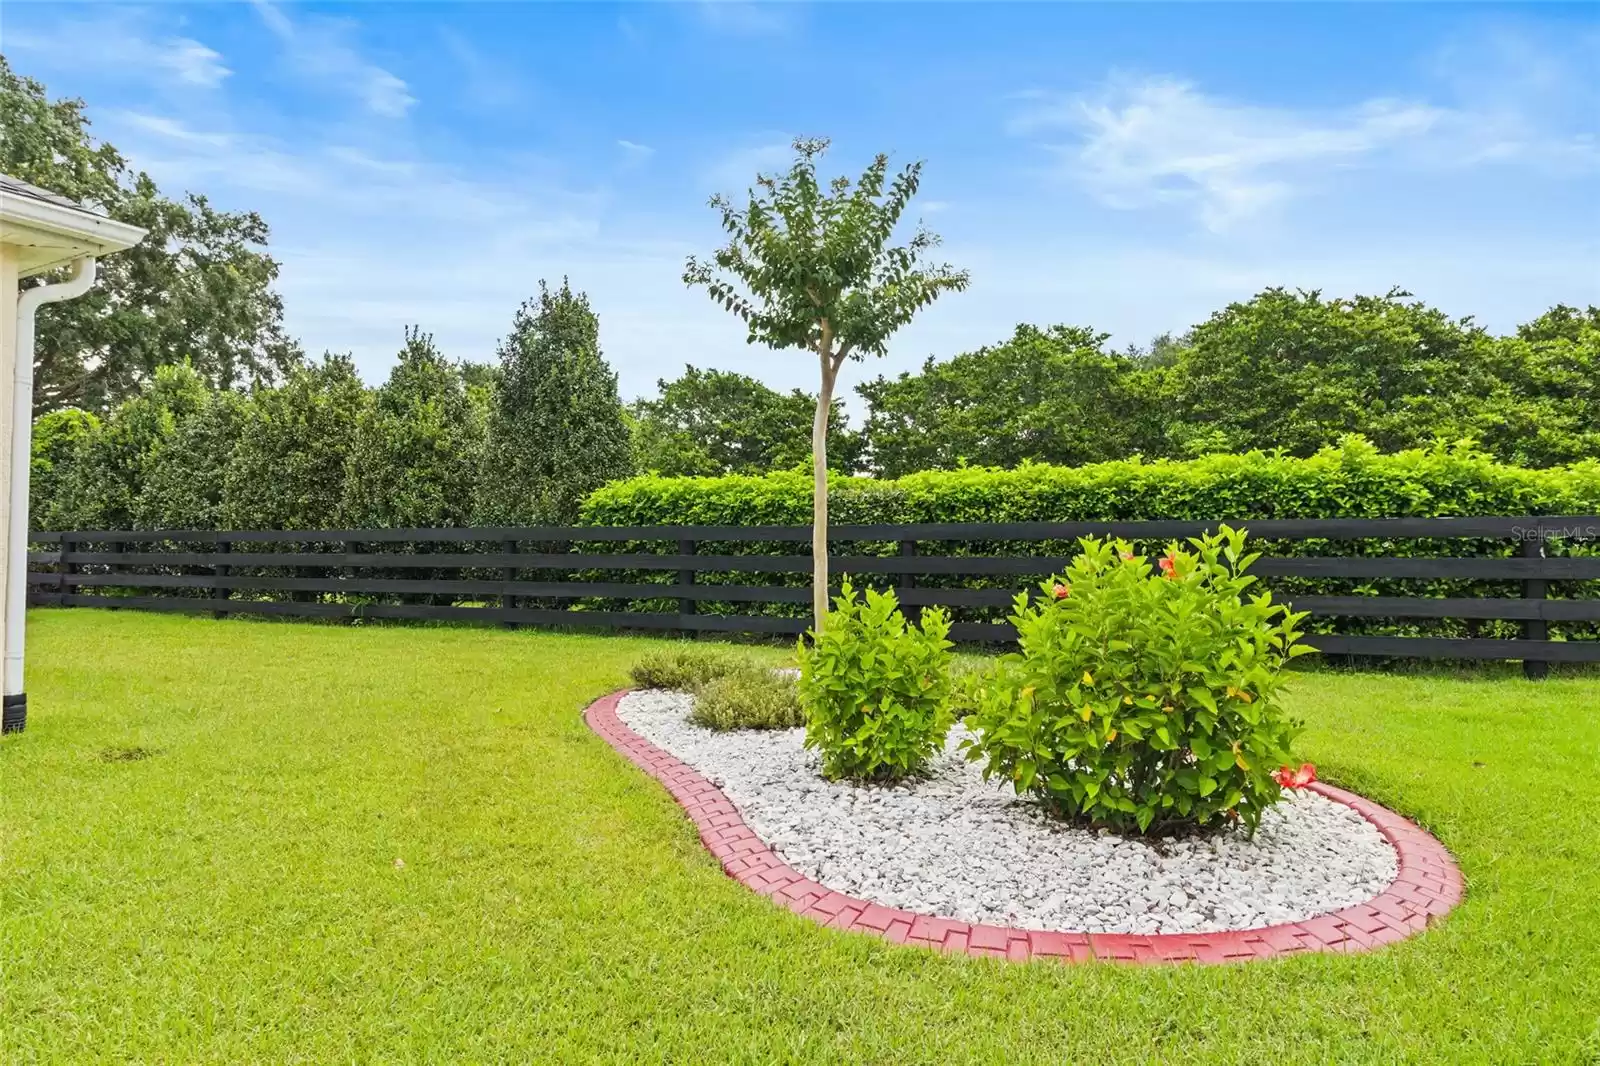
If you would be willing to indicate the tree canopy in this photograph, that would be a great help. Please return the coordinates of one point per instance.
(1283, 371)
(813, 269)
(1046, 395)
(197, 289)
(711, 422)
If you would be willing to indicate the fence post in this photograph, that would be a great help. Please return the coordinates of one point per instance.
(1534, 628)
(218, 592)
(68, 546)
(118, 547)
(564, 603)
(351, 547)
(913, 614)
(508, 601)
(686, 605)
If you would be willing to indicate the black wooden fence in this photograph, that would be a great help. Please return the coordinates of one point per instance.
(708, 578)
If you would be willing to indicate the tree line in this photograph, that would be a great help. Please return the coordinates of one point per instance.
(524, 439)
(1284, 371)
(521, 441)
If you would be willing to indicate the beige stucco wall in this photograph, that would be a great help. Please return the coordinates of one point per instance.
(8, 362)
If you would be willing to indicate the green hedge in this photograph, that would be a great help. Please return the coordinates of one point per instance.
(1350, 481)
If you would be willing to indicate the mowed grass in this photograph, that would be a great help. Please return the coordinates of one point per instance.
(403, 845)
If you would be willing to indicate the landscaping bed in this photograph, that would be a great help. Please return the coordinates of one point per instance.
(950, 844)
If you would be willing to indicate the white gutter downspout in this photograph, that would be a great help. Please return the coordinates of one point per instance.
(28, 303)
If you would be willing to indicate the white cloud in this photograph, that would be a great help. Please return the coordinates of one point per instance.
(319, 48)
(192, 63)
(486, 81)
(634, 151)
(747, 18)
(173, 130)
(1138, 142)
(737, 170)
(120, 45)
(1161, 140)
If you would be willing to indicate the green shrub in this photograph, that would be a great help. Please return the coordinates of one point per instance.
(876, 691)
(184, 481)
(1352, 480)
(968, 681)
(1145, 698)
(749, 697)
(288, 466)
(58, 440)
(684, 669)
(111, 464)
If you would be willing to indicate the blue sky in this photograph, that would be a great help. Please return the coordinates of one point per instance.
(1128, 167)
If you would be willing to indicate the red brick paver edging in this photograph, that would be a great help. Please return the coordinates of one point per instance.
(1428, 885)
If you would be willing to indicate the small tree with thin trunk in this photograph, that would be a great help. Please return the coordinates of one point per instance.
(811, 268)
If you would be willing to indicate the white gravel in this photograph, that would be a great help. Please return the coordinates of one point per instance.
(954, 846)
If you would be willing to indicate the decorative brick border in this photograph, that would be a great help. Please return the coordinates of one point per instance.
(1428, 885)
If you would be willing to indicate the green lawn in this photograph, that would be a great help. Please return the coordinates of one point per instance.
(403, 845)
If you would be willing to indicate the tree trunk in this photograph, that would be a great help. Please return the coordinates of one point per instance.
(819, 496)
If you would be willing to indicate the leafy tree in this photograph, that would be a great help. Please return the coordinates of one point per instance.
(485, 377)
(556, 430)
(58, 440)
(1294, 371)
(1162, 351)
(198, 288)
(102, 485)
(185, 481)
(1543, 408)
(417, 447)
(287, 470)
(1563, 322)
(711, 422)
(1053, 396)
(810, 268)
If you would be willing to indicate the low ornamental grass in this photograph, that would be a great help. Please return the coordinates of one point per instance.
(731, 691)
(682, 667)
(753, 697)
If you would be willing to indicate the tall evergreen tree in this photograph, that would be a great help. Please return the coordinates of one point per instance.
(110, 471)
(184, 484)
(418, 446)
(288, 467)
(556, 430)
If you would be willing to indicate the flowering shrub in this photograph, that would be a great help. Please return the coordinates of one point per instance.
(1145, 697)
(876, 691)
(1289, 777)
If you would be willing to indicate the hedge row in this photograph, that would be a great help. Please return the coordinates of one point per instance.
(1353, 480)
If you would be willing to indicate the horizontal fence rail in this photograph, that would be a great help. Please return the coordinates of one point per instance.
(1519, 576)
